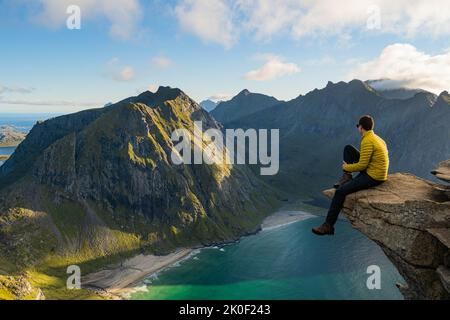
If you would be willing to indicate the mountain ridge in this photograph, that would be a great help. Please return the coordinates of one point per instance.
(99, 186)
(315, 127)
(243, 104)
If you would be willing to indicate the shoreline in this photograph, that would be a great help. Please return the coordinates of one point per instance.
(121, 280)
(9, 145)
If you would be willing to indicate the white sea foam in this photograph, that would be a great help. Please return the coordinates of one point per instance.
(296, 217)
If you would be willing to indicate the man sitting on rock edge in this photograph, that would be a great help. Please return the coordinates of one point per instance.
(372, 164)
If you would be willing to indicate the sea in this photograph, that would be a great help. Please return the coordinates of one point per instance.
(284, 263)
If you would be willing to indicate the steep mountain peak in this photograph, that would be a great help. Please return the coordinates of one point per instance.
(244, 92)
(428, 97)
(444, 97)
(341, 89)
(356, 84)
(242, 105)
(392, 89)
(161, 95)
(169, 92)
(100, 183)
(209, 105)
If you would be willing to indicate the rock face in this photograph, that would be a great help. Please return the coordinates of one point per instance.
(409, 218)
(101, 182)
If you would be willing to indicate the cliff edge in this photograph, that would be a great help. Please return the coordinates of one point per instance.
(409, 218)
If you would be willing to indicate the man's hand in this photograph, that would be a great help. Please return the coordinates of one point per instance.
(343, 165)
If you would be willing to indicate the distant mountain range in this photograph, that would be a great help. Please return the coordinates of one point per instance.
(10, 136)
(209, 105)
(314, 129)
(244, 104)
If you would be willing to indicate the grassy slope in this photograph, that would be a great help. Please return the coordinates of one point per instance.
(50, 232)
(49, 274)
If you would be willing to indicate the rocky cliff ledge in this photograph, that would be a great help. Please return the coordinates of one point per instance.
(409, 218)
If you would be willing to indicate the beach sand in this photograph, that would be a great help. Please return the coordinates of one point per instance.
(284, 217)
(121, 280)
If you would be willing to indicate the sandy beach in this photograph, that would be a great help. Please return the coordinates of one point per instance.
(121, 280)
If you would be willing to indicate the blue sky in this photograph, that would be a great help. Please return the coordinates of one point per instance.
(213, 48)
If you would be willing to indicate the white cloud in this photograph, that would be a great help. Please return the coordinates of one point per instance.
(49, 103)
(15, 89)
(161, 62)
(11, 91)
(126, 74)
(210, 20)
(273, 68)
(123, 15)
(405, 66)
(220, 97)
(222, 21)
(118, 72)
(266, 18)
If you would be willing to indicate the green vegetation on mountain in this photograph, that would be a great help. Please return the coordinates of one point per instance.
(96, 187)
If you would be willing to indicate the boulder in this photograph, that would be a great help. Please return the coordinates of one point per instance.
(409, 218)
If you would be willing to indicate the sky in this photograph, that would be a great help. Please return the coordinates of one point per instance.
(62, 56)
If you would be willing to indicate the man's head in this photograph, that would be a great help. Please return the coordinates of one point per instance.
(366, 123)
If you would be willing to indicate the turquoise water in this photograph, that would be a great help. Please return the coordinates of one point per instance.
(288, 262)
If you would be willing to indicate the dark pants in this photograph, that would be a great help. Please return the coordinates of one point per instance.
(361, 182)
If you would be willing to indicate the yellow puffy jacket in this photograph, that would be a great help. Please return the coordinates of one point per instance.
(374, 157)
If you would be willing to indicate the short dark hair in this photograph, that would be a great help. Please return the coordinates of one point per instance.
(367, 123)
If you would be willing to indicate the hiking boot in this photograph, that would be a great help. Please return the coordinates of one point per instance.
(325, 229)
(345, 178)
